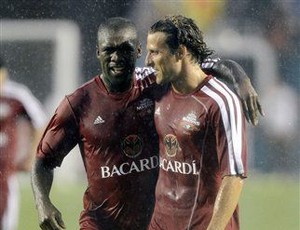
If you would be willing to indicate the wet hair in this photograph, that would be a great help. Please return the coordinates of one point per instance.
(117, 24)
(181, 30)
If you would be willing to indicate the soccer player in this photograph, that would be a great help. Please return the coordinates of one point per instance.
(202, 135)
(112, 122)
(111, 118)
(22, 120)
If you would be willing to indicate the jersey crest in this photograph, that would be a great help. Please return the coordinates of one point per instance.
(132, 146)
(171, 145)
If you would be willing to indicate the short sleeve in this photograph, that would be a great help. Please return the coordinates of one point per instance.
(60, 136)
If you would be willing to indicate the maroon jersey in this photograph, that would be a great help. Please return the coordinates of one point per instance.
(16, 101)
(119, 147)
(10, 109)
(202, 139)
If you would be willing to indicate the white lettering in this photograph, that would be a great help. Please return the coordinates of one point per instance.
(148, 164)
(105, 172)
(187, 168)
(134, 167)
(170, 167)
(144, 164)
(195, 168)
(115, 171)
(154, 162)
(130, 167)
(178, 167)
(161, 164)
(122, 170)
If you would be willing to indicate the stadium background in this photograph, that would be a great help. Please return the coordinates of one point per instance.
(50, 46)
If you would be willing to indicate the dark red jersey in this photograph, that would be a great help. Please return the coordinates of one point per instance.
(119, 147)
(16, 101)
(202, 138)
(10, 109)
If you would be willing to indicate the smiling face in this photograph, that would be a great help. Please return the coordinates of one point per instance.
(117, 53)
(160, 57)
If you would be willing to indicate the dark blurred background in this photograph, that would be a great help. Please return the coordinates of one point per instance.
(86, 14)
(263, 36)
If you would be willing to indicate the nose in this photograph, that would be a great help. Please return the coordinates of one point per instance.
(148, 60)
(114, 56)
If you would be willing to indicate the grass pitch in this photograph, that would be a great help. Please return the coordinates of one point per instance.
(268, 202)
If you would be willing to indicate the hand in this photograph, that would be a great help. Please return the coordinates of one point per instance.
(233, 73)
(50, 218)
(250, 101)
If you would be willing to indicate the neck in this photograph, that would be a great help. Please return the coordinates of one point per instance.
(117, 87)
(189, 79)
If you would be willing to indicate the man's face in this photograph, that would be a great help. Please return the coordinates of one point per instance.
(160, 58)
(117, 53)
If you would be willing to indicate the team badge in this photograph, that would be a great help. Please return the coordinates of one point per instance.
(190, 123)
(171, 145)
(132, 146)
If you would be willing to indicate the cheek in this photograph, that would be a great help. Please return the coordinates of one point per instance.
(160, 63)
(165, 66)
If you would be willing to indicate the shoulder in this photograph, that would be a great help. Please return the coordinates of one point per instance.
(219, 91)
(143, 72)
(144, 77)
(223, 101)
(32, 105)
(16, 90)
(83, 94)
(85, 89)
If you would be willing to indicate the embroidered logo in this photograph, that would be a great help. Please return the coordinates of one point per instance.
(98, 120)
(144, 104)
(132, 146)
(171, 145)
(191, 118)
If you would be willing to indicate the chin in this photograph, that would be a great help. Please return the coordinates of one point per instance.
(159, 82)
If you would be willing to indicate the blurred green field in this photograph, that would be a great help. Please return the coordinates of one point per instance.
(268, 202)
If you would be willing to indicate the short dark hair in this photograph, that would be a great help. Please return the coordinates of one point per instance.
(183, 30)
(117, 23)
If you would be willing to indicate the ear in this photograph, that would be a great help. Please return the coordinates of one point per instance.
(181, 52)
(139, 50)
(97, 52)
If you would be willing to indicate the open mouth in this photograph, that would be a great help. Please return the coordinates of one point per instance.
(117, 69)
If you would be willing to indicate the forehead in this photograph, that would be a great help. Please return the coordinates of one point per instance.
(109, 37)
(157, 40)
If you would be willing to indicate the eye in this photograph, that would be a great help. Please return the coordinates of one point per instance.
(127, 48)
(108, 50)
(153, 52)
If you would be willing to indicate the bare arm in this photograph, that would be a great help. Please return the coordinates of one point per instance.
(24, 132)
(41, 181)
(226, 202)
(231, 72)
(28, 139)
